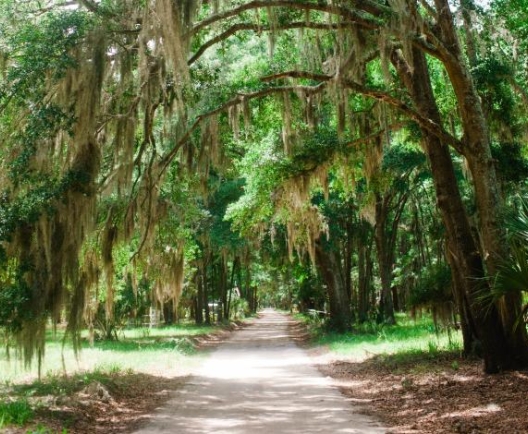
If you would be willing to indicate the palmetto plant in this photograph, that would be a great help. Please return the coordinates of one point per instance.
(513, 273)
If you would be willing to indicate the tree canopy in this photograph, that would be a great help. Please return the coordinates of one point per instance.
(354, 157)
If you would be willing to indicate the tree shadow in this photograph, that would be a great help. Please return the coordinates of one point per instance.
(435, 393)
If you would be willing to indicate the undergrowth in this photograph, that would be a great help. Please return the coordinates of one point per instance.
(40, 429)
(61, 385)
(139, 349)
(107, 362)
(407, 339)
(16, 412)
(25, 398)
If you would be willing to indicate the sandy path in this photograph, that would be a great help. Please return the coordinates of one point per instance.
(259, 381)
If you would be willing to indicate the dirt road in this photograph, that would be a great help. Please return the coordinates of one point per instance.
(259, 381)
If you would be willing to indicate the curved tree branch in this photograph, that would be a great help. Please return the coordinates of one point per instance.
(298, 74)
(363, 13)
(395, 102)
(368, 6)
(429, 41)
(361, 140)
(401, 106)
(307, 169)
(258, 28)
(90, 5)
(240, 98)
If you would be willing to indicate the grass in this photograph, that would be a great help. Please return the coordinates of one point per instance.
(45, 398)
(45, 430)
(407, 339)
(143, 350)
(60, 385)
(26, 400)
(156, 351)
(15, 412)
(184, 330)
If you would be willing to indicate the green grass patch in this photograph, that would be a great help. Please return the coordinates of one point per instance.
(147, 344)
(27, 398)
(15, 412)
(40, 429)
(139, 349)
(177, 331)
(407, 338)
(168, 331)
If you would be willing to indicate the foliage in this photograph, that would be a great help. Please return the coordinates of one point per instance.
(491, 77)
(239, 307)
(402, 158)
(433, 286)
(130, 174)
(513, 12)
(131, 304)
(38, 49)
(513, 275)
(15, 412)
(14, 300)
(511, 163)
(409, 337)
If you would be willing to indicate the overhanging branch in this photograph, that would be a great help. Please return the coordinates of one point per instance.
(385, 97)
(260, 28)
(298, 74)
(401, 106)
(350, 14)
(238, 99)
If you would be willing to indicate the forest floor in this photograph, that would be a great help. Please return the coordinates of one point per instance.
(434, 396)
(422, 394)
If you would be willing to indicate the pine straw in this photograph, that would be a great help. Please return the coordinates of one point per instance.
(436, 395)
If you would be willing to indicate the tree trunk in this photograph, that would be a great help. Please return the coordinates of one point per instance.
(231, 286)
(255, 301)
(206, 294)
(349, 248)
(458, 232)
(169, 315)
(364, 278)
(199, 302)
(391, 203)
(327, 264)
(480, 162)
(395, 299)
(386, 308)
(222, 283)
(469, 332)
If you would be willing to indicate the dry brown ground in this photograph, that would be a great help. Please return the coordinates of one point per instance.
(441, 395)
(132, 397)
(418, 396)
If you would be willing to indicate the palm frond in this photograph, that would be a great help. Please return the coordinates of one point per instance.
(517, 223)
(513, 274)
